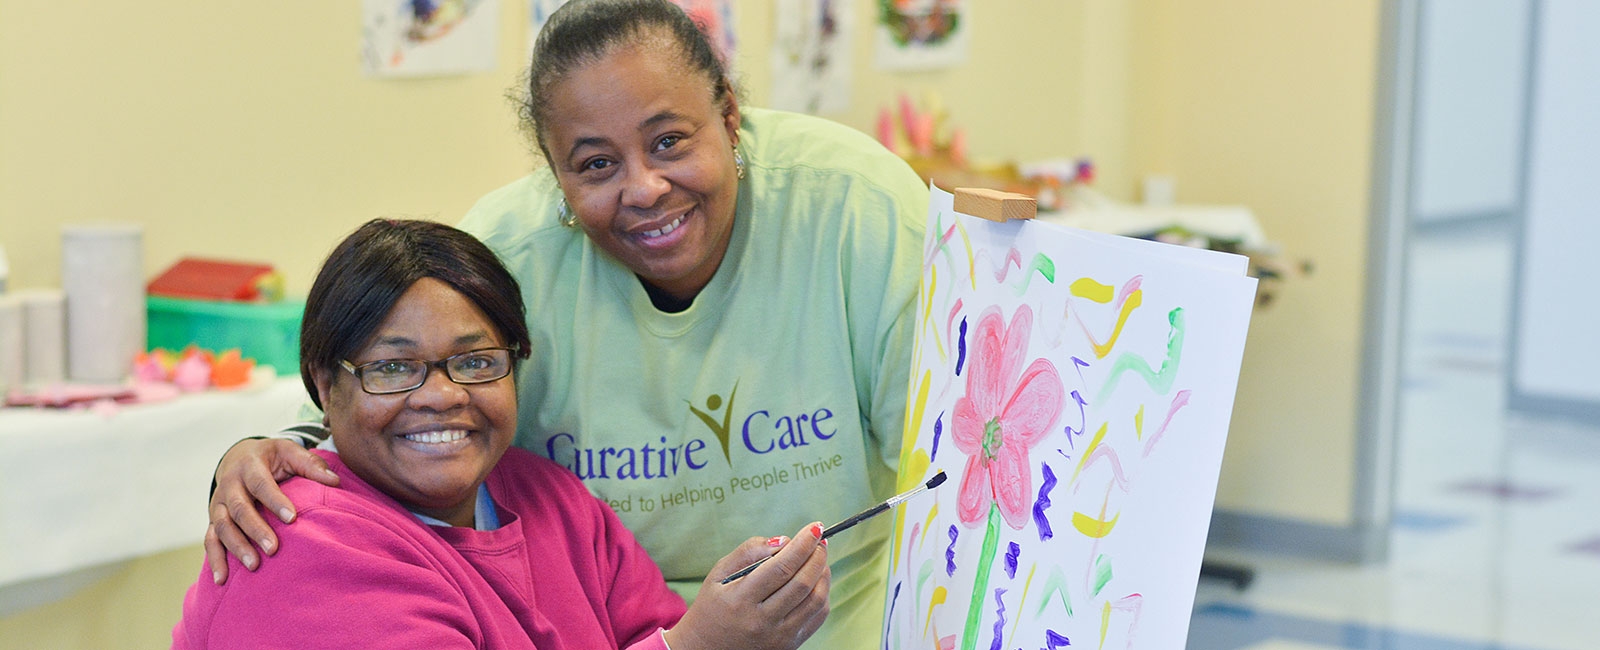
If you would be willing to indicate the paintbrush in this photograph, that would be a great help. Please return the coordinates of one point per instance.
(863, 516)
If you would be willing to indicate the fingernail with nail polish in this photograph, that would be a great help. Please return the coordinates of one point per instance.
(816, 530)
(775, 542)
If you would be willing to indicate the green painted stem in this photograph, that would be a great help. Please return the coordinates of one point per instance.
(980, 585)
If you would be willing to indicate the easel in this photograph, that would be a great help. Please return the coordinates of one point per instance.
(1001, 207)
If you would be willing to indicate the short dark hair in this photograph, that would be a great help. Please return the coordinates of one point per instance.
(366, 274)
(583, 31)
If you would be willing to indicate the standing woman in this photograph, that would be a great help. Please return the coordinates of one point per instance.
(725, 314)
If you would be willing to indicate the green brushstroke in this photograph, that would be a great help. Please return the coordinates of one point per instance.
(980, 585)
(922, 577)
(1160, 381)
(1044, 266)
(1057, 583)
(1102, 573)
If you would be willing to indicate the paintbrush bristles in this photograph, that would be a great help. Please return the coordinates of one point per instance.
(936, 480)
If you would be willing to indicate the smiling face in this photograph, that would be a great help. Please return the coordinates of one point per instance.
(431, 447)
(644, 154)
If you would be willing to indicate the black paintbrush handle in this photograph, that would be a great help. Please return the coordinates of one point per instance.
(855, 520)
(745, 571)
(868, 514)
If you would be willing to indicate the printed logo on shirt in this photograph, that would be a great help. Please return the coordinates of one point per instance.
(760, 433)
(720, 430)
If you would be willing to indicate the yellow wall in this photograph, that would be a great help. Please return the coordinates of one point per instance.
(245, 130)
(1270, 104)
(237, 130)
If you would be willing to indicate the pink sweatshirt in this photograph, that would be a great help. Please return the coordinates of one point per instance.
(356, 569)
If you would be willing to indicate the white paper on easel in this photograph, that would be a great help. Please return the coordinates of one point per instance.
(1077, 390)
(102, 273)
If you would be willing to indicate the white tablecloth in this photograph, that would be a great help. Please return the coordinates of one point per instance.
(79, 489)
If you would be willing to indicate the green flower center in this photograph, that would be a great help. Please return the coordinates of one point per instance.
(992, 440)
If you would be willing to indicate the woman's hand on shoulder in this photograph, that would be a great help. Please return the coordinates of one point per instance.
(779, 605)
(250, 472)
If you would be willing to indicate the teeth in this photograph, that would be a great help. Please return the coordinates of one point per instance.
(436, 437)
(664, 229)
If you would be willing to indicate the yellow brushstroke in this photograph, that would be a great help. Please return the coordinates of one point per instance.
(1138, 423)
(1105, 622)
(1093, 442)
(1025, 584)
(927, 312)
(1088, 288)
(908, 441)
(928, 525)
(1091, 526)
(939, 594)
(1133, 301)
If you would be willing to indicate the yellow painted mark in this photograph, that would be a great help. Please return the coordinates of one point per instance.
(1087, 451)
(1133, 301)
(1088, 288)
(939, 595)
(1093, 527)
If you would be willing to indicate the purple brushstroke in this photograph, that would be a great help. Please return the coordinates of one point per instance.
(961, 344)
(1011, 560)
(950, 553)
(1083, 418)
(1076, 365)
(1000, 610)
(1053, 640)
(938, 427)
(886, 618)
(1044, 502)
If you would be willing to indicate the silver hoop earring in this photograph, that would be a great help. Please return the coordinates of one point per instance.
(738, 162)
(565, 216)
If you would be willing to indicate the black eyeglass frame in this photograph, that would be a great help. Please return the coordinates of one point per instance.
(427, 368)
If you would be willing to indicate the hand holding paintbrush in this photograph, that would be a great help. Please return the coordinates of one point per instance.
(862, 516)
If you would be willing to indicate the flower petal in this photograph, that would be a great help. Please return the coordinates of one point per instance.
(1015, 347)
(1013, 481)
(972, 501)
(966, 427)
(986, 381)
(1033, 409)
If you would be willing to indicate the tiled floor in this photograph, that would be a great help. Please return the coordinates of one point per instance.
(1496, 535)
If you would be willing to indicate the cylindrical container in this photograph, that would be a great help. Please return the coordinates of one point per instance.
(44, 334)
(12, 343)
(102, 273)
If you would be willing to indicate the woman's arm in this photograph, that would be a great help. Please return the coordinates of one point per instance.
(249, 473)
(339, 580)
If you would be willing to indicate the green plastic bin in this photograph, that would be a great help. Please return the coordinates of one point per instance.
(266, 332)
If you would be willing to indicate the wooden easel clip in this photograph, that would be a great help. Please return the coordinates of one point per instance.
(995, 205)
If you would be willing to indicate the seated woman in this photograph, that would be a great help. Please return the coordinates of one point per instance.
(437, 536)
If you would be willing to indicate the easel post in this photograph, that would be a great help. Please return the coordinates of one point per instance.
(995, 205)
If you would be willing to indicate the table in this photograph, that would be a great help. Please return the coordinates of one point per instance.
(80, 489)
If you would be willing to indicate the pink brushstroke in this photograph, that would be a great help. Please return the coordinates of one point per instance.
(1178, 402)
(1133, 603)
(948, 330)
(1013, 258)
(1110, 455)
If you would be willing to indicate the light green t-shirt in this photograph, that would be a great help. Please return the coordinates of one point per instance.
(777, 398)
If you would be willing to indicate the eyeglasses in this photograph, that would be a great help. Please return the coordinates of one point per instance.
(387, 376)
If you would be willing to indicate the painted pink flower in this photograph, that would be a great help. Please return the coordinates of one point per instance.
(1005, 412)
